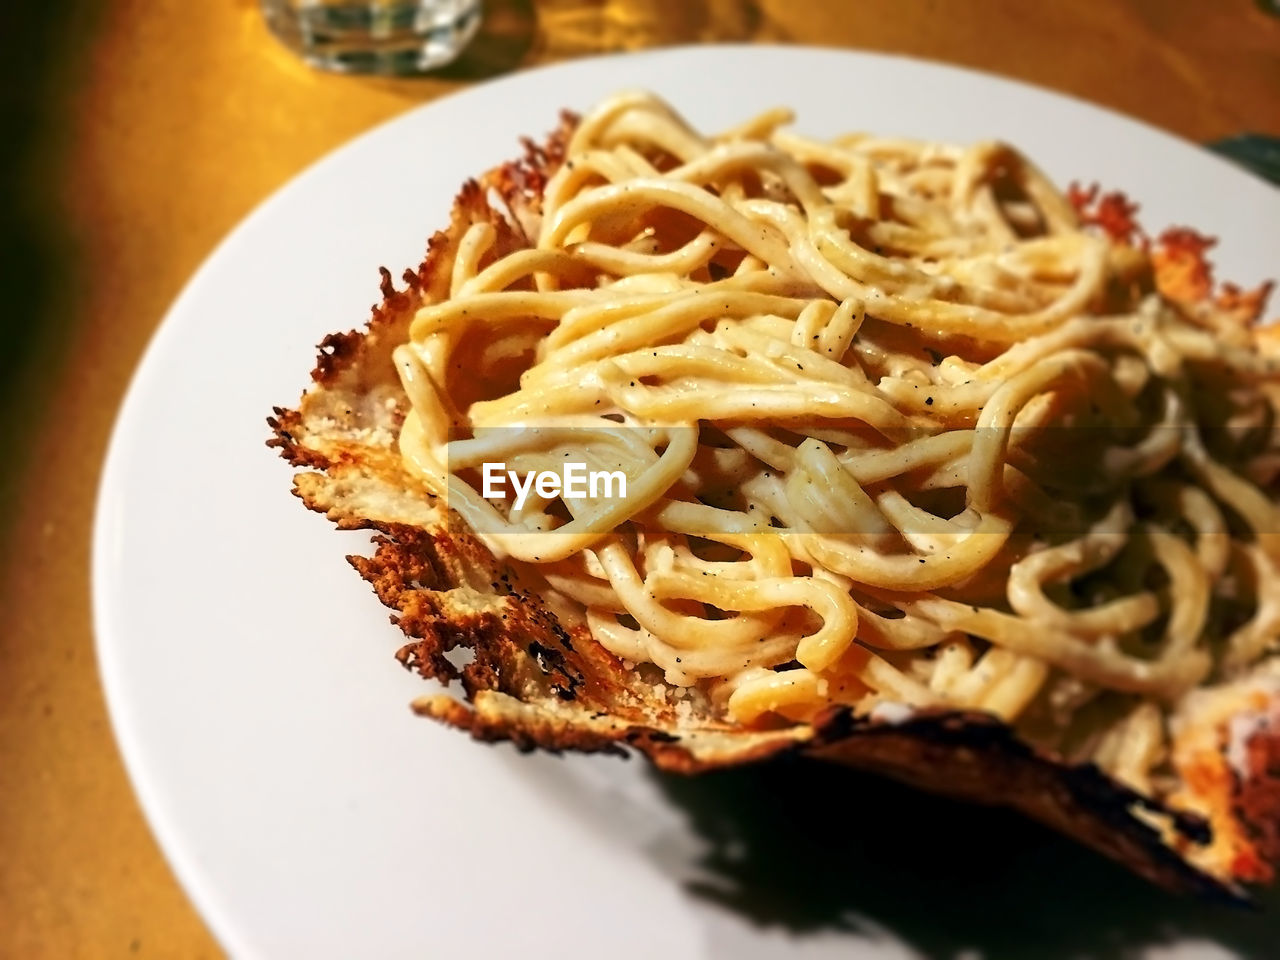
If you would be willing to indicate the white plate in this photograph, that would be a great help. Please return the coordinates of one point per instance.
(250, 675)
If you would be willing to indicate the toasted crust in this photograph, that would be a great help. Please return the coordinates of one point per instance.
(541, 686)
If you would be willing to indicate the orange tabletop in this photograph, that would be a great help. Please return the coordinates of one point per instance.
(145, 129)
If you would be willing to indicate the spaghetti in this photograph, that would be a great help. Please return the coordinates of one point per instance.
(896, 428)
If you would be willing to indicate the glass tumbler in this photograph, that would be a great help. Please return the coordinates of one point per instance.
(374, 36)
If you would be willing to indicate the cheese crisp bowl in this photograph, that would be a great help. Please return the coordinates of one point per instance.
(923, 466)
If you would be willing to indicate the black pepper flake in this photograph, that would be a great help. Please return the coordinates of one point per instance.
(928, 402)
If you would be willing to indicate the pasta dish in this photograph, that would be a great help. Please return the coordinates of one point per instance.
(908, 444)
(896, 428)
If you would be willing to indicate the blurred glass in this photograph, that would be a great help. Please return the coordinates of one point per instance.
(375, 36)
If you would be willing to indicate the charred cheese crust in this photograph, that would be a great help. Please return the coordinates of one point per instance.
(540, 686)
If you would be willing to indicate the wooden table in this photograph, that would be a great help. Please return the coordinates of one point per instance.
(145, 129)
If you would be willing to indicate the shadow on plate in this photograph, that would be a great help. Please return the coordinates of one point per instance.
(812, 847)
